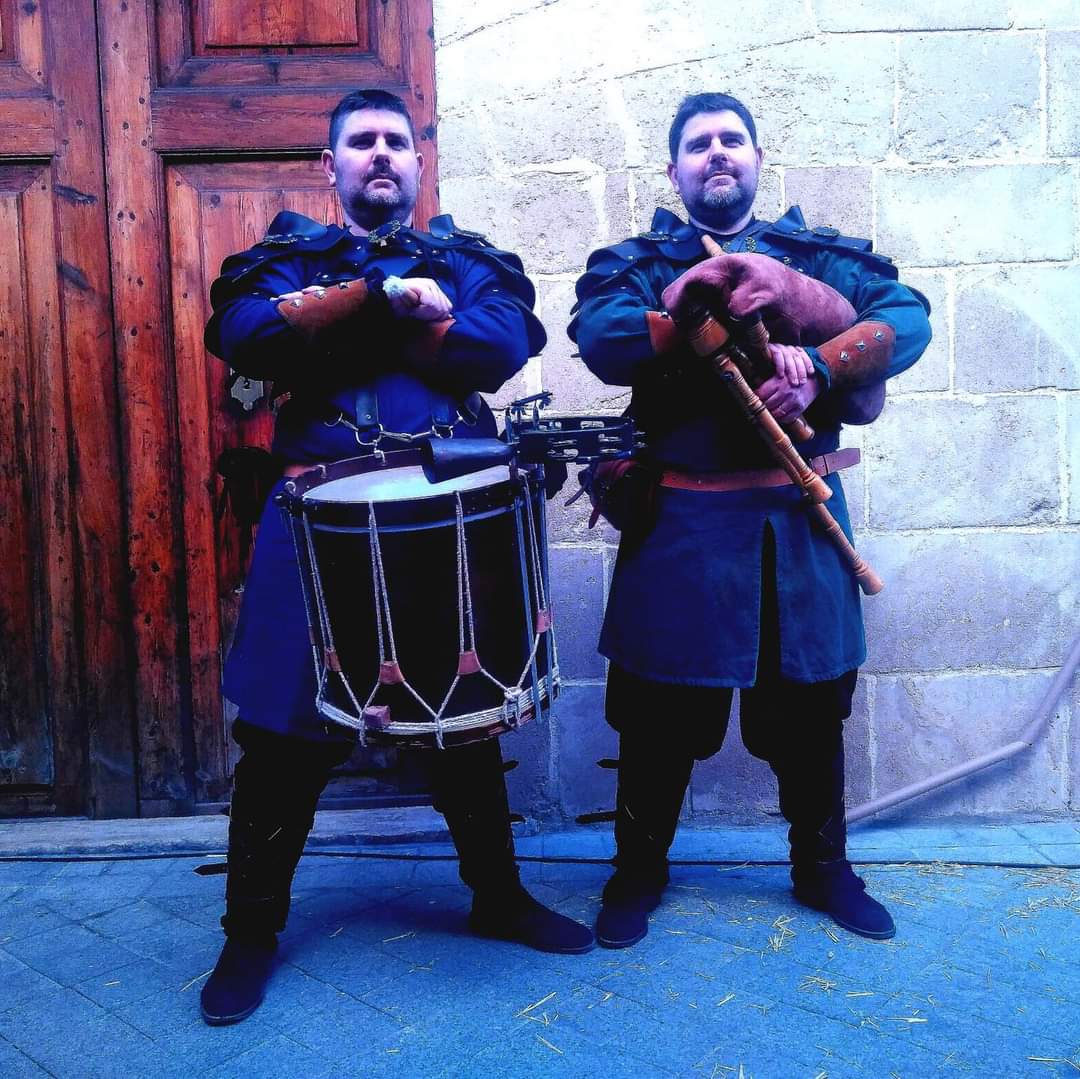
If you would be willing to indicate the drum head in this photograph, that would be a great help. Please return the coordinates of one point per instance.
(399, 484)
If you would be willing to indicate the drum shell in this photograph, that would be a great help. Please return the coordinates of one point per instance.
(418, 542)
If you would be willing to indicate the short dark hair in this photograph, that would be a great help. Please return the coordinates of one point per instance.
(358, 100)
(698, 103)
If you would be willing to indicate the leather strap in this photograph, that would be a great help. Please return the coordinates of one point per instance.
(758, 477)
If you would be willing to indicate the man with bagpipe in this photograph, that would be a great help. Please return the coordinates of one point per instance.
(741, 339)
(377, 335)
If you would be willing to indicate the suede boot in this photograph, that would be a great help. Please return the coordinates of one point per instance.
(652, 785)
(518, 917)
(469, 790)
(627, 903)
(238, 982)
(812, 800)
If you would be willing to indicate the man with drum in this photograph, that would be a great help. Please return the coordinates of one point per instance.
(725, 581)
(355, 361)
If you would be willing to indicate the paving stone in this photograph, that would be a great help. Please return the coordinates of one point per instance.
(732, 971)
(28, 919)
(972, 444)
(1017, 329)
(954, 104)
(337, 1029)
(202, 1048)
(940, 216)
(120, 985)
(951, 605)
(22, 984)
(167, 1011)
(16, 1065)
(835, 16)
(277, 1057)
(126, 918)
(560, 1050)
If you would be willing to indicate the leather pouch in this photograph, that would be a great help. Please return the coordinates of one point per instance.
(623, 492)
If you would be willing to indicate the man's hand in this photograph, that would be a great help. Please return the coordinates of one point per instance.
(786, 399)
(791, 362)
(419, 298)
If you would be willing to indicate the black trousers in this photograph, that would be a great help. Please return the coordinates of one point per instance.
(796, 727)
(276, 788)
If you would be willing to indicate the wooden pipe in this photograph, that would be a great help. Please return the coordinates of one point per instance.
(755, 339)
(712, 342)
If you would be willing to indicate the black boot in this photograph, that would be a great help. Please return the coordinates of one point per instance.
(238, 983)
(469, 789)
(518, 917)
(812, 800)
(652, 784)
(627, 902)
(276, 788)
(834, 888)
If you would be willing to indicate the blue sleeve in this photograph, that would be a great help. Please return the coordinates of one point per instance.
(492, 332)
(246, 330)
(877, 296)
(610, 325)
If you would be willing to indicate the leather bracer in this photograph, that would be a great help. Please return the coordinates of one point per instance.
(317, 311)
(859, 356)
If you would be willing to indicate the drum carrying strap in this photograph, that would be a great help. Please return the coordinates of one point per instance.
(444, 415)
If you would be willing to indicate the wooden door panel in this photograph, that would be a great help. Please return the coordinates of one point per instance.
(65, 704)
(281, 23)
(249, 86)
(226, 43)
(214, 210)
(26, 733)
(26, 115)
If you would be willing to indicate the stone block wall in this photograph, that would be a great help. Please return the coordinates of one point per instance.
(950, 135)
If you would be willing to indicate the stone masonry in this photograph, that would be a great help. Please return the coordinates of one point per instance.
(950, 135)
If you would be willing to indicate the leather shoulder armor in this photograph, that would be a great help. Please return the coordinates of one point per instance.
(792, 232)
(670, 241)
(289, 234)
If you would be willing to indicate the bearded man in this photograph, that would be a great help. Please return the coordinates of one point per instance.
(306, 308)
(729, 584)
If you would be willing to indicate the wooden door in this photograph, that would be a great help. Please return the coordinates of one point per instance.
(66, 742)
(214, 115)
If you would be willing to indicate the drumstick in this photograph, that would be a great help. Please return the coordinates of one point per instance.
(754, 335)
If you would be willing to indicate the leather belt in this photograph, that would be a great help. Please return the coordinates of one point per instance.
(757, 477)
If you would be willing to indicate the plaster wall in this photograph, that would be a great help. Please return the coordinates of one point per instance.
(950, 135)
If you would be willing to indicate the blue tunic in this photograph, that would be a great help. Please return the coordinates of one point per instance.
(269, 674)
(684, 603)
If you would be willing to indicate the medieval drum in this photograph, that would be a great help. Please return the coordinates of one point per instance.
(427, 600)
